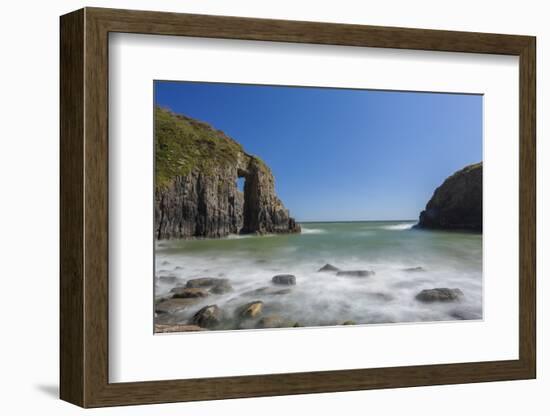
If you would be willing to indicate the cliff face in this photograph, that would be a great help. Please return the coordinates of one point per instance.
(196, 193)
(458, 203)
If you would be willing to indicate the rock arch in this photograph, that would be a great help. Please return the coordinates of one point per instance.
(206, 202)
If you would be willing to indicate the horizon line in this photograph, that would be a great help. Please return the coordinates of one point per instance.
(336, 221)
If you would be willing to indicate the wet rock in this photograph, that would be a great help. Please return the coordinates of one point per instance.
(188, 292)
(253, 292)
(441, 294)
(414, 269)
(267, 291)
(276, 321)
(328, 268)
(284, 279)
(464, 315)
(381, 296)
(250, 310)
(210, 316)
(166, 328)
(280, 292)
(174, 305)
(221, 288)
(206, 282)
(167, 279)
(169, 319)
(355, 273)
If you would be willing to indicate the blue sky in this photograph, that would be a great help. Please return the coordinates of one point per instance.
(341, 154)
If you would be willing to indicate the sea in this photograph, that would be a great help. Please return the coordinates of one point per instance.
(439, 259)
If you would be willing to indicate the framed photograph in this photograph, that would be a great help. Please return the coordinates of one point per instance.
(255, 207)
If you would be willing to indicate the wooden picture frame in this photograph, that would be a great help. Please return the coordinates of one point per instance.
(84, 207)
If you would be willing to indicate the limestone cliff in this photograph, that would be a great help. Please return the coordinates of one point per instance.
(196, 193)
(457, 203)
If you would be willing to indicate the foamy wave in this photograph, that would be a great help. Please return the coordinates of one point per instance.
(398, 227)
(312, 231)
(241, 236)
(238, 236)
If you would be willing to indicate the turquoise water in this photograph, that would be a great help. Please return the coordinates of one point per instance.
(449, 259)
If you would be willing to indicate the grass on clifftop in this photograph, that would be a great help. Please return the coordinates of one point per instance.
(467, 169)
(183, 144)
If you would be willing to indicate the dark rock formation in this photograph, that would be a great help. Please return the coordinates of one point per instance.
(276, 321)
(172, 306)
(328, 268)
(457, 203)
(206, 282)
(250, 310)
(355, 273)
(208, 317)
(196, 193)
(414, 269)
(221, 288)
(440, 295)
(284, 279)
(268, 291)
(188, 292)
(386, 297)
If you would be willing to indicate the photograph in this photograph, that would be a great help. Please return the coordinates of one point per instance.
(292, 207)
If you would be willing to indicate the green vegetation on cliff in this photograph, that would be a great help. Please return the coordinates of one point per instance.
(183, 144)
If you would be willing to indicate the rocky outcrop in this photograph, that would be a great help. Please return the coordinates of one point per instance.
(206, 282)
(174, 305)
(196, 192)
(275, 321)
(284, 279)
(328, 268)
(441, 294)
(208, 317)
(414, 269)
(457, 203)
(250, 310)
(188, 292)
(355, 273)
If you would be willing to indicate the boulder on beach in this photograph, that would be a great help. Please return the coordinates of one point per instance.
(168, 279)
(465, 315)
(284, 279)
(267, 291)
(386, 297)
(206, 282)
(250, 310)
(275, 321)
(208, 317)
(414, 269)
(167, 328)
(441, 294)
(328, 268)
(174, 305)
(221, 288)
(188, 292)
(355, 273)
